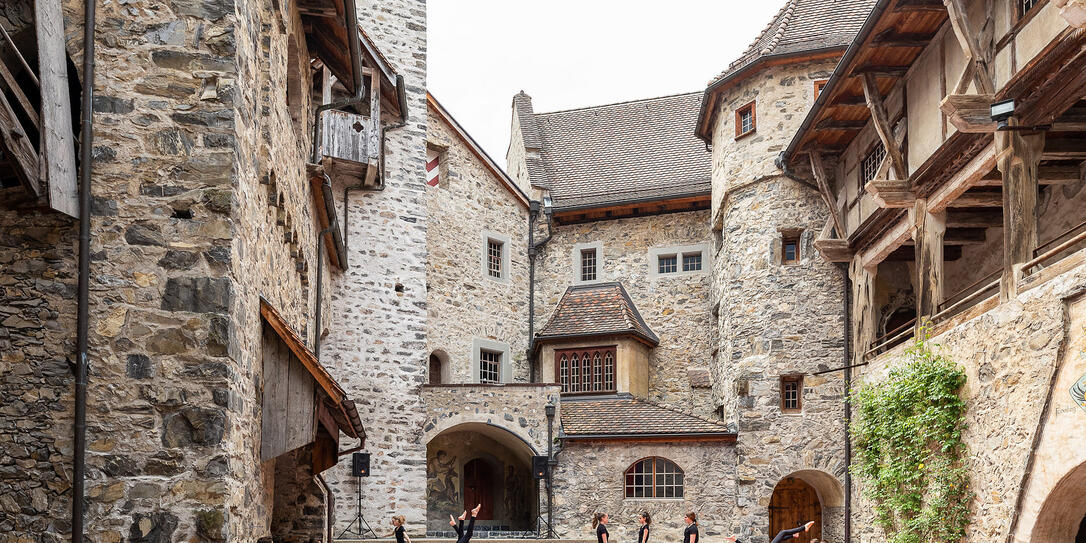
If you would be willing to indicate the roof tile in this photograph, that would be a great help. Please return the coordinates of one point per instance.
(595, 310)
(626, 416)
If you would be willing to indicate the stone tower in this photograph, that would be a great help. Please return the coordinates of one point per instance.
(778, 303)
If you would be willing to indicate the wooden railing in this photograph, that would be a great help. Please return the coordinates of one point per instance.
(1048, 251)
(892, 339)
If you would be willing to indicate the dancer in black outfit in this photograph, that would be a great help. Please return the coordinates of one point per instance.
(783, 534)
(690, 534)
(599, 522)
(400, 533)
(643, 532)
(462, 535)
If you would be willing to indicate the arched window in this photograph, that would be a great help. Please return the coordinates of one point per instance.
(654, 477)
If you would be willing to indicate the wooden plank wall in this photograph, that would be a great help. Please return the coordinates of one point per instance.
(288, 402)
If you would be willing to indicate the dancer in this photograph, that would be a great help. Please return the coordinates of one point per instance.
(462, 535)
(599, 522)
(783, 534)
(690, 534)
(399, 531)
(643, 532)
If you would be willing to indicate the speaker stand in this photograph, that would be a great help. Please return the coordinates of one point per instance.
(363, 527)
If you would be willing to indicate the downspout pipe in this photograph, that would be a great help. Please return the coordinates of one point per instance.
(847, 310)
(320, 284)
(82, 364)
(533, 252)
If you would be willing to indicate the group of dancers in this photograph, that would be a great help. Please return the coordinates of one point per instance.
(599, 523)
(690, 533)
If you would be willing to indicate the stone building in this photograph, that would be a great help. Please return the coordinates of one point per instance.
(778, 305)
(953, 219)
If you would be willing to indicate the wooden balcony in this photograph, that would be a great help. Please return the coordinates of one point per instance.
(349, 142)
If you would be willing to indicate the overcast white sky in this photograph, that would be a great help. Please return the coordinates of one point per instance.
(575, 53)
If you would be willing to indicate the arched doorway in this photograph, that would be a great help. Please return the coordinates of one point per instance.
(438, 368)
(795, 502)
(1062, 518)
(1081, 537)
(480, 464)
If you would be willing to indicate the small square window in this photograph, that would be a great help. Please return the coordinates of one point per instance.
(588, 265)
(818, 86)
(668, 264)
(691, 262)
(790, 248)
(494, 258)
(792, 394)
(490, 367)
(746, 120)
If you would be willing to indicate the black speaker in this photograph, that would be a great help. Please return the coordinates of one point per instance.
(539, 467)
(360, 464)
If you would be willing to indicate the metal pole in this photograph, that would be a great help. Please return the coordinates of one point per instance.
(549, 409)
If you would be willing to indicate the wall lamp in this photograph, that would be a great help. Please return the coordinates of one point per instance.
(1002, 112)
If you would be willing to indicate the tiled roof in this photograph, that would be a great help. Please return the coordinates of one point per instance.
(595, 310)
(625, 152)
(804, 25)
(626, 416)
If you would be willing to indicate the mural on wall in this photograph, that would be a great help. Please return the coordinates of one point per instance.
(1078, 392)
(516, 498)
(443, 483)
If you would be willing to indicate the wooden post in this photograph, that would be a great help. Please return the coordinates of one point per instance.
(1018, 160)
(57, 165)
(928, 244)
(864, 312)
(826, 190)
(881, 120)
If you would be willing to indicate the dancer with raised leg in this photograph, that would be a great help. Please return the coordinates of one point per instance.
(783, 534)
(462, 535)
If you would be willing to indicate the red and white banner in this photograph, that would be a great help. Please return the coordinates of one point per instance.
(433, 167)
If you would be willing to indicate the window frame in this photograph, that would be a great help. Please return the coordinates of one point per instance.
(679, 253)
(751, 108)
(796, 379)
(492, 359)
(691, 254)
(593, 268)
(576, 262)
(487, 238)
(819, 85)
(571, 373)
(629, 489)
(862, 167)
(788, 237)
(1023, 15)
(480, 346)
(672, 264)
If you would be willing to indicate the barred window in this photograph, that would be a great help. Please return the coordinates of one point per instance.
(791, 393)
(586, 370)
(668, 264)
(490, 367)
(871, 164)
(691, 262)
(588, 265)
(654, 477)
(494, 258)
(1026, 5)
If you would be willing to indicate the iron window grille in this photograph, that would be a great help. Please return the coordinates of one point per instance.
(869, 168)
(588, 265)
(494, 258)
(490, 367)
(654, 477)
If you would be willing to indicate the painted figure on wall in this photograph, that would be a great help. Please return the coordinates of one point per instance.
(443, 483)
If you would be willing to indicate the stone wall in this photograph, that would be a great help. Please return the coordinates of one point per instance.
(1020, 359)
(376, 345)
(675, 307)
(464, 303)
(589, 478)
(774, 319)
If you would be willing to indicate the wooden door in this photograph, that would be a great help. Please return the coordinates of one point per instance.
(795, 502)
(479, 488)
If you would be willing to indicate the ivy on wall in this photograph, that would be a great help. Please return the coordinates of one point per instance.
(908, 438)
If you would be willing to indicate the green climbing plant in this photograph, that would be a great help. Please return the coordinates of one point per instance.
(910, 453)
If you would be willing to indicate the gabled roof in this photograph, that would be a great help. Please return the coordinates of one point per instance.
(477, 150)
(626, 417)
(617, 153)
(800, 28)
(599, 309)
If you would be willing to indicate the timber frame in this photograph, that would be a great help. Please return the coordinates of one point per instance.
(931, 201)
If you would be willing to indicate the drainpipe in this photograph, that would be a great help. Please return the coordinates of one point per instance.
(533, 251)
(847, 297)
(320, 283)
(83, 293)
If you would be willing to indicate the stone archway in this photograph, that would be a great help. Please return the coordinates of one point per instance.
(1062, 517)
(480, 462)
(803, 496)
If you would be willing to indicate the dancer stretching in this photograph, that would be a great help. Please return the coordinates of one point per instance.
(462, 535)
(643, 532)
(599, 522)
(783, 534)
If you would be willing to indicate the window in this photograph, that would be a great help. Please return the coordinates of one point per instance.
(586, 370)
(494, 258)
(654, 477)
(1024, 6)
(588, 264)
(869, 168)
(792, 393)
(667, 264)
(818, 86)
(691, 262)
(490, 367)
(746, 120)
(790, 253)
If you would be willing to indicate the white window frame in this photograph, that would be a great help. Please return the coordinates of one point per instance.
(478, 345)
(575, 258)
(678, 252)
(487, 237)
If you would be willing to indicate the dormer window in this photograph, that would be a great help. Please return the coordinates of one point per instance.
(746, 120)
(588, 370)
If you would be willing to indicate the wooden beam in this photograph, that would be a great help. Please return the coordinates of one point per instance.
(978, 199)
(1065, 149)
(16, 147)
(891, 193)
(1046, 175)
(1019, 157)
(849, 100)
(965, 236)
(970, 113)
(882, 126)
(20, 97)
(865, 317)
(890, 38)
(919, 5)
(834, 124)
(878, 70)
(959, 20)
(963, 179)
(824, 188)
(928, 233)
(957, 218)
(893, 238)
(907, 253)
(57, 149)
